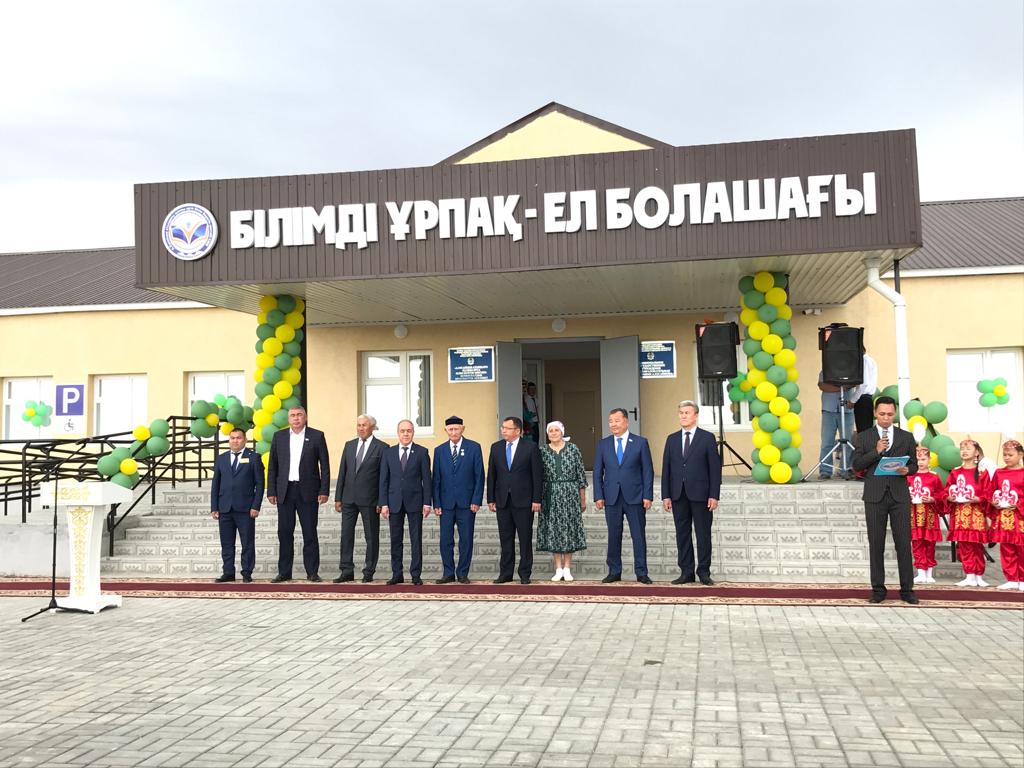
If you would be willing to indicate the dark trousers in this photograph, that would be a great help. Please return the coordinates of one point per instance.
(371, 533)
(693, 515)
(897, 514)
(636, 516)
(307, 511)
(463, 519)
(863, 413)
(515, 522)
(242, 524)
(396, 524)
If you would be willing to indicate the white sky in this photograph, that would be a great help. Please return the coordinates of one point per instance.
(101, 95)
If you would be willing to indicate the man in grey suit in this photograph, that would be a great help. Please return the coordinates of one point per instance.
(887, 497)
(356, 496)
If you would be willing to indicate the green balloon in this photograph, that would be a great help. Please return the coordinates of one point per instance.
(293, 348)
(755, 457)
(794, 406)
(892, 391)
(267, 432)
(271, 376)
(926, 441)
(746, 284)
(736, 380)
(258, 402)
(914, 408)
(159, 428)
(247, 413)
(782, 439)
(236, 414)
(751, 347)
(1003, 399)
(796, 477)
(108, 465)
(31, 404)
(157, 445)
(139, 450)
(121, 454)
(275, 317)
(219, 400)
(936, 412)
(791, 455)
(263, 389)
(762, 360)
(259, 346)
(222, 414)
(986, 385)
(781, 279)
(942, 473)
(25, 416)
(299, 336)
(781, 327)
(264, 331)
(47, 409)
(201, 429)
(789, 390)
(262, 446)
(231, 401)
(280, 418)
(940, 441)
(768, 422)
(949, 457)
(768, 313)
(735, 394)
(46, 420)
(987, 400)
(776, 375)
(753, 298)
(286, 303)
(291, 402)
(283, 362)
(1000, 382)
(758, 408)
(200, 409)
(751, 395)
(789, 342)
(37, 420)
(761, 473)
(125, 481)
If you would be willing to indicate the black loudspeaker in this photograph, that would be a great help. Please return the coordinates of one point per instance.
(711, 392)
(842, 355)
(716, 350)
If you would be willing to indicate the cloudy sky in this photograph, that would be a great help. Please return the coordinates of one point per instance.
(101, 95)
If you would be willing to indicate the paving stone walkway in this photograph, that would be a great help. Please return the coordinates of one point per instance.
(163, 682)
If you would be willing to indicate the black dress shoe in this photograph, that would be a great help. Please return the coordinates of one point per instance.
(395, 580)
(524, 580)
(222, 578)
(279, 578)
(367, 579)
(445, 580)
(611, 577)
(685, 580)
(463, 579)
(500, 580)
(314, 578)
(909, 598)
(417, 582)
(343, 578)
(876, 597)
(246, 578)
(644, 579)
(707, 581)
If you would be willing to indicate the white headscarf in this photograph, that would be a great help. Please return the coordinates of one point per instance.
(561, 428)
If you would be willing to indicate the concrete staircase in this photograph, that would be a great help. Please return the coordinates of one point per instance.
(812, 532)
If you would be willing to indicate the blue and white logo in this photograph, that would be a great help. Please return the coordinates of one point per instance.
(189, 232)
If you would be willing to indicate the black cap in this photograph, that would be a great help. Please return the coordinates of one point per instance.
(452, 420)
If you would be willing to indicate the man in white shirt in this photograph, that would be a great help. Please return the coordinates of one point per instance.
(863, 397)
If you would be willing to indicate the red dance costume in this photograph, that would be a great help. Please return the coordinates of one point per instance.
(967, 519)
(1006, 499)
(926, 496)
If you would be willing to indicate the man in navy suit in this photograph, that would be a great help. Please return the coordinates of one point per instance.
(405, 494)
(298, 481)
(691, 479)
(458, 493)
(236, 495)
(515, 477)
(624, 487)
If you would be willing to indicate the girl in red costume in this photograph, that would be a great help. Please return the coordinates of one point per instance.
(966, 496)
(926, 495)
(1006, 507)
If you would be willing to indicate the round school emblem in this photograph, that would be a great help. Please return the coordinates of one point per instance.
(189, 232)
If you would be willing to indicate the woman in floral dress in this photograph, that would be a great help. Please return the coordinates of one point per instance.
(560, 528)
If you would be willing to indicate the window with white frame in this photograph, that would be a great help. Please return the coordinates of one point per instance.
(964, 369)
(396, 386)
(17, 392)
(208, 384)
(121, 403)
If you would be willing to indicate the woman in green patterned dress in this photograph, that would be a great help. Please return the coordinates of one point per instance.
(560, 529)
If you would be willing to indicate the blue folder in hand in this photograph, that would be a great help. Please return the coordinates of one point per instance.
(890, 465)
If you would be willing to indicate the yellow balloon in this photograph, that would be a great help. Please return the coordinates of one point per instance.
(913, 421)
(779, 406)
(780, 473)
(226, 427)
(292, 376)
(999, 390)
(141, 433)
(775, 296)
(296, 362)
(797, 440)
(271, 403)
(128, 466)
(258, 375)
(784, 357)
(266, 459)
(747, 316)
(772, 344)
(294, 319)
(790, 422)
(284, 333)
(264, 360)
(283, 390)
(770, 455)
(755, 423)
(746, 386)
(261, 418)
(761, 439)
(30, 412)
(763, 281)
(300, 305)
(792, 374)
(759, 329)
(786, 312)
(261, 318)
(268, 303)
(272, 347)
(756, 376)
(766, 391)
(213, 419)
(933, 459)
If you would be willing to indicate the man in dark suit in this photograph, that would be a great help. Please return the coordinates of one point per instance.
(514, 486)
(624, 487)
(298, 481)
(405, 494)
(458, 493)
(691, 478)
(887, 497)
(357, 495)
(236, 495)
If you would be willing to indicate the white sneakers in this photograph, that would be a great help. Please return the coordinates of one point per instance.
(921, 577)
(1011, 585)
(567, 576)
(562, 574)
(970, 580)
(979, 582)
(929, 576)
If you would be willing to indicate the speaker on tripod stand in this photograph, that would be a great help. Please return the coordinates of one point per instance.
(716, 362)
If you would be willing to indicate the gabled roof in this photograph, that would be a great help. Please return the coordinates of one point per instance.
(547, 109)
(970, 234)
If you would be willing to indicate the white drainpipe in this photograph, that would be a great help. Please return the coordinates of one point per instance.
(899, 306)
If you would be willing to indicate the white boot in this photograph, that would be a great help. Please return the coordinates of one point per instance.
(558, 575)
(567, 575)
(920, 578)
(970, 580)
(979, 582)
(1020, 586)
(1010, 585)
(929, 576)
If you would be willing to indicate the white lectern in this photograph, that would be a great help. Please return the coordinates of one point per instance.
(86, 506)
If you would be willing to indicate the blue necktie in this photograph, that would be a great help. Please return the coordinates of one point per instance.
(618, 450)
(508, 454)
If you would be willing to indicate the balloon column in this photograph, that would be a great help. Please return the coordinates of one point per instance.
(921, 420)
(770, 384)
(278, 366)
(227, 413)
(37, 413)
(993, 392)
(121, 466)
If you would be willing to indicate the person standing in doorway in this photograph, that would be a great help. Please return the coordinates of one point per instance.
(298, 482)
(624, 487)
(531, 413)
(357, 496)
(458, 493)
(236, 495)
(515, 479)
(405, 496)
